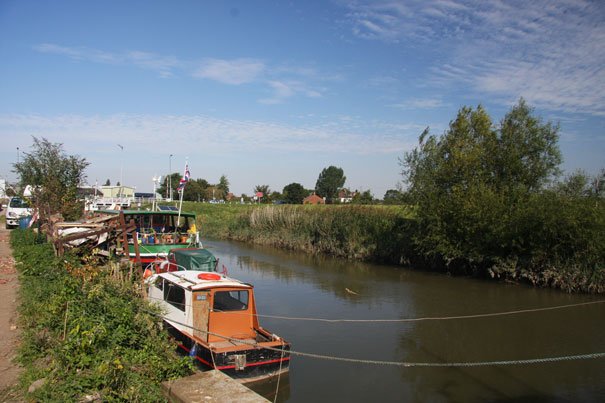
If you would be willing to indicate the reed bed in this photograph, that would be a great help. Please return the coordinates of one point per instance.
(370, 233)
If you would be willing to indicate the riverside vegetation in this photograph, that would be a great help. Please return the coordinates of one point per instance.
(86, 334)
(482, 201)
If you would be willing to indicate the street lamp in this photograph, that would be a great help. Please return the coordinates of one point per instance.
(121, 164)
(170, 175)
(17, 155)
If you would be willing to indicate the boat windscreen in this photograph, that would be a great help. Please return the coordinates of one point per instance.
(234, 300)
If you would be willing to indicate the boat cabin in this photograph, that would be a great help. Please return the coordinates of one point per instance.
(157, 232)
(213, 318)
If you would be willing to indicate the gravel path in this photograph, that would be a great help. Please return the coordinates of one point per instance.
(9, 332)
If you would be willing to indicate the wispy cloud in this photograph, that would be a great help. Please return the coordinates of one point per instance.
(549, 52)
(282, 90)
(234, 72)
(196, 132)
(281, 81)
(163, 65)
(426, 103)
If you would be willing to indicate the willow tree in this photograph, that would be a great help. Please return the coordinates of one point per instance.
(54, 178)
(471, 183)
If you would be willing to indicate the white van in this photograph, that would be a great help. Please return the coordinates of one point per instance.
(17, 208)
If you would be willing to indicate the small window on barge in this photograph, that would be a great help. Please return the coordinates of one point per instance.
(235, 300)
(174, 295)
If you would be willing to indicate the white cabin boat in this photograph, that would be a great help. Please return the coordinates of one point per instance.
(214, 319)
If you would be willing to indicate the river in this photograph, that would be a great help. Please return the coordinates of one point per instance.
(296, 285)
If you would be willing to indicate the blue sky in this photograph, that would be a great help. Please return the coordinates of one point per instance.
(272, 92)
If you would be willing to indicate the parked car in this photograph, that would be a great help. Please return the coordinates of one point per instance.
(17, 208)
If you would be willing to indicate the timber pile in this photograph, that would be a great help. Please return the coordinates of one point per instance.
(102, 234)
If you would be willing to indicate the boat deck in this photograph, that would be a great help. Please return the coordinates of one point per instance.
(232, 343)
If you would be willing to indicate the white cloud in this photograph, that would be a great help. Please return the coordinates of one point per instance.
(549, 52)
(283, 82)
(234, 72)
(192, 132)
(417, 103)
(163, 65)
(283, 90)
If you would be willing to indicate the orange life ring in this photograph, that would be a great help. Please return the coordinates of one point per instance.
(209, 276)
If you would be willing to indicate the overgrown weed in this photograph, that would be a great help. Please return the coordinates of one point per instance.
(87, 332)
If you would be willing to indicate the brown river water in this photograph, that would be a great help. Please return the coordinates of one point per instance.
(296, 285)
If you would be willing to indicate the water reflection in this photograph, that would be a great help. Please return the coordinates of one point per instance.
(306, 286)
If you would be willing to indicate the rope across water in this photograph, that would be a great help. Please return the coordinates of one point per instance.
(541, 360)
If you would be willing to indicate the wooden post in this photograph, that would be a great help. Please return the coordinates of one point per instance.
(136, 244)
(124, 235)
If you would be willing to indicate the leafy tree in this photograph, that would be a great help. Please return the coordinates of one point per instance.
(213, 192)
(393, 196)
(575, 185)
(364, 197)
(469, 183)
(294, 193)
(276, 196)
(527, 151)
(264, 189)
(174, 179)
(195, 190)
(329, 182)
(54, 177)
(223, 185)
(597, 187)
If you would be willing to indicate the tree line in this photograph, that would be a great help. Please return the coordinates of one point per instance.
(329, 184)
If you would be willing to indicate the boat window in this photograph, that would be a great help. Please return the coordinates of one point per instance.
(230, 300)
(159, 283)
(175, 296)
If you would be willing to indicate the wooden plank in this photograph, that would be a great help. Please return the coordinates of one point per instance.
(201, 309)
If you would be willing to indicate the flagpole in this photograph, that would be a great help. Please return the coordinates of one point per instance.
(178, 220)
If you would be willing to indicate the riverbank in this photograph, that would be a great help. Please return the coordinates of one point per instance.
(87, 335)
(365, 233)
(554, 251)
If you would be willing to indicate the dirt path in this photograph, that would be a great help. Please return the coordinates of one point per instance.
(9, 333)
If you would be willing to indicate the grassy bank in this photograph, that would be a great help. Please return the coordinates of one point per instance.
(86, 331)
(370, 233)
(553, 241)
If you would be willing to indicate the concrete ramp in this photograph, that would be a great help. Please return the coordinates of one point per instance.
(207, 387)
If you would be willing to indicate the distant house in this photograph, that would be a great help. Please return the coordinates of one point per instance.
(111, 198)
(87, 192)
(117, 191)
(313, 199)
(346, 196)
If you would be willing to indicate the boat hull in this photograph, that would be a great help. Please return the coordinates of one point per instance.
(260, 362)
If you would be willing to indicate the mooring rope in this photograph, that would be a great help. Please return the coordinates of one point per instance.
(281, 360)
(398, 363)
(421, 319)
